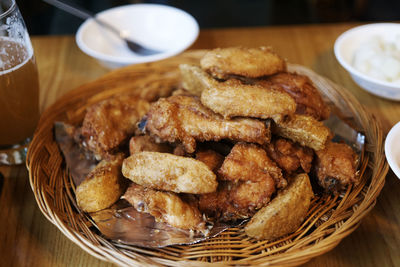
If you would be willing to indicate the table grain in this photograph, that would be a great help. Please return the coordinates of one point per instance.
(28, 239)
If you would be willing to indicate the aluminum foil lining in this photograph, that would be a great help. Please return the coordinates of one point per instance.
(123, 224)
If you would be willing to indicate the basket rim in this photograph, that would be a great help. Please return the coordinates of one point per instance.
(300, 255)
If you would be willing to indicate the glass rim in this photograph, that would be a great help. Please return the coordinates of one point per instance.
(9, 10)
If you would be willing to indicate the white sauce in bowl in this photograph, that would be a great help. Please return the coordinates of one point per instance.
(379, 59)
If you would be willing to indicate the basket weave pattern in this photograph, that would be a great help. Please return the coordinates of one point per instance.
(328, 221)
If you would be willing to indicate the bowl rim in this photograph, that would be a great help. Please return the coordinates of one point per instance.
(392, 135)
(138, 59)
(349, 67)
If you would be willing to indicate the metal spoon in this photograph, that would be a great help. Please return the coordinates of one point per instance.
(84, 14)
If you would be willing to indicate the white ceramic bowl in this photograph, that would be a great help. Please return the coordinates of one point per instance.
(347, 44)
(392, 149)
(159, 27)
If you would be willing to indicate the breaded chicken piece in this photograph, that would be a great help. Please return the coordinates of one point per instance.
(248, 62)
(305, 130)
(110, 122)
(285, 213)
(234, 201)
(146, 143)
(336, 166)
(185, 119)
(165, 207)
(308, 98)
(249, 178)
(195, 79)
(212, 159)
(168, 172)
(290, 156)
(249, 162)
(233, 98)
(103, 186)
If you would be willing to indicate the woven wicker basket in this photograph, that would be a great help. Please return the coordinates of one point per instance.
(329, 219)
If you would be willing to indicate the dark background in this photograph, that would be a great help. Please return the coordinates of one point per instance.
(42, 19)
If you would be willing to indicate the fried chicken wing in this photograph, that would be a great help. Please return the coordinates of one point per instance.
(212, 159)
(249, 162)
(103, 185)
(285, 213)
(164, 171)
(233, 98)
(308, 98)
(234, 201)
(336, 166)
(290, 156)
(305, 130)
(248, 180)
(165, 207)
(110, 122)
(146, 143)
(185, 119)
(248, 62)
(195, 79)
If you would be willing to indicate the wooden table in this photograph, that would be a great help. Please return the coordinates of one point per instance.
(28, 239)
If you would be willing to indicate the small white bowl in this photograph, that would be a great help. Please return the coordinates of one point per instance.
(392, 149)
(347, 44)
(158, 27)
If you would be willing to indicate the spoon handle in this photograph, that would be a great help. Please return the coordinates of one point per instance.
(83, 14)
(79, 12)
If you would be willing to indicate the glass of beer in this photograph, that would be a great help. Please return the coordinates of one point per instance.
(19, 86)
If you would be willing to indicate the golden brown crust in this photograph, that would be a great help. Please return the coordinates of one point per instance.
(336, 166)
(240, 200)
(212, 159)
(285, 213)
(248, 62)
(146, 143)
(102, 187)
(300, 87)
(290, 156)
(168, 172)
(248, 181)
(305, 130)
(110, 122)
(165, 207)
(249, 162)
(194, 79)
(185, 119)
(233, 98)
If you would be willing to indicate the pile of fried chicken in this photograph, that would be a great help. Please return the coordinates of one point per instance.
(236, 133)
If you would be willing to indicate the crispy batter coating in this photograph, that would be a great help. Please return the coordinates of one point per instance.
(212, 159)
(146, 143)
(168, 172)
(195, 79)
(248, 62)
(336, 166)
(233, 98)
(217, 204)
(305, 130)
(185, 119)
(249, 162)
(285, 213)
(110, 122)
(249, 179)
(102, 187)
(165, 207)
(234, 201)
(290, 156)
(300, 87)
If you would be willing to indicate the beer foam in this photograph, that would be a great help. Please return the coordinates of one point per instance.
(2, 53)
(5, 57)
